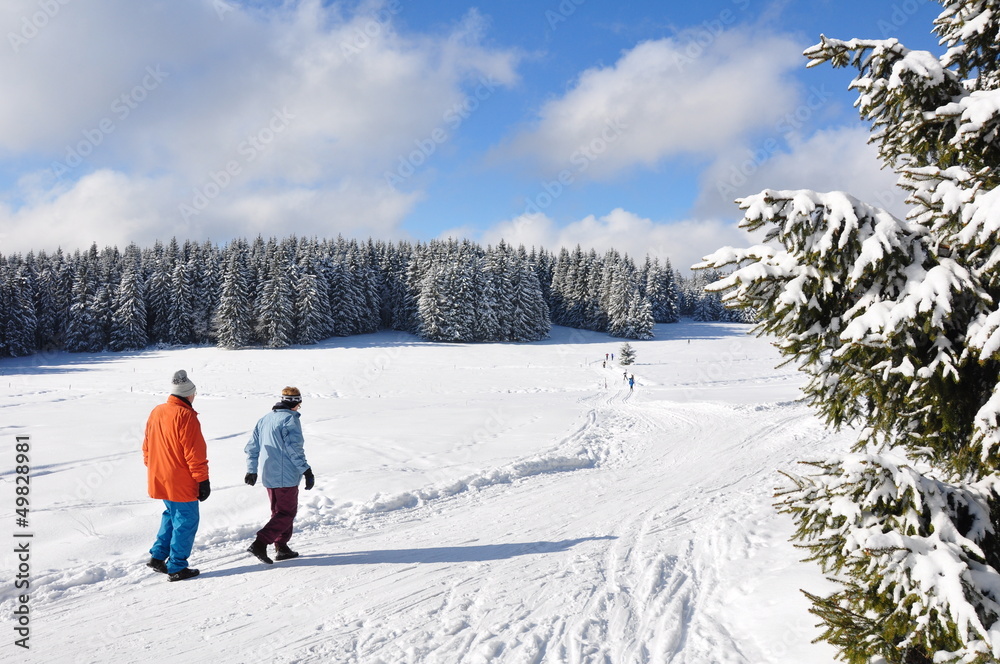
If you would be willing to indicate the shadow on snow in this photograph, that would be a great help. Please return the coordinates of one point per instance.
(431, 555)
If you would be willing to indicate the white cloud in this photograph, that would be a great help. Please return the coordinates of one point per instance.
(684, 243)
(112, 208)
(838, 159)
(106, 207)
(299, 110)
(664, 99)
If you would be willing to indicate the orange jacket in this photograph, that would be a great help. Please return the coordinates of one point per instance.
(174, 451)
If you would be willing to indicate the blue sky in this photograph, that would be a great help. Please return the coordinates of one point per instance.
(625, 124)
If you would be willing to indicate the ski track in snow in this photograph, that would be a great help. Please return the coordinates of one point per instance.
(620, 544)
(649, 592)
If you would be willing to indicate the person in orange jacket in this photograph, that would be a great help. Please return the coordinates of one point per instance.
(176, 457)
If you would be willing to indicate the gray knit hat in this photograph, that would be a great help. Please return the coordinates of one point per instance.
(182, 385)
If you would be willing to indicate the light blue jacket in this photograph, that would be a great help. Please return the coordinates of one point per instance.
(277, 444)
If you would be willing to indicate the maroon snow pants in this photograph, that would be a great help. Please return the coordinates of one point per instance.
(284, 504)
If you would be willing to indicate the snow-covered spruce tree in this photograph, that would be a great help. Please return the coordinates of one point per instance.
(897, 325)
(435, 305)
(709, 305)
(368, 282)
(394, 261)
(531, 295)
(530, 314)
(488, 300)
(447, 299)
(50, 302)
(626, 354)
(312, 304)
(340, 288)
(160, 262)
(17, 311)
(207, 286)
(233, 323)
(496, 267)
(559, 288)
(275, 322)
(544, 265)
(181, 327)
(659, 288)
(629, 314)
(82, 330)
(128, 318)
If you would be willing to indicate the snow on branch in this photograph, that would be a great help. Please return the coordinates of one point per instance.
(895, 530)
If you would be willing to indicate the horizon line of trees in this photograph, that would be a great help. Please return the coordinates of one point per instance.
(276, 293)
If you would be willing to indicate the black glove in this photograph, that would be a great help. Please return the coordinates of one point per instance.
(250, 478)
(310, 480)
(204, 488)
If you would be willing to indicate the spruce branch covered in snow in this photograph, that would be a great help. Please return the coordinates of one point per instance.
(896, 323)
(918, 558)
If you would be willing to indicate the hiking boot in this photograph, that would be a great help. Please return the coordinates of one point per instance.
(284, 553)
(185, 573)
(158, 565)
(259, 549)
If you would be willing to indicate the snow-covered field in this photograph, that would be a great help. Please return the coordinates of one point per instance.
(473, 503)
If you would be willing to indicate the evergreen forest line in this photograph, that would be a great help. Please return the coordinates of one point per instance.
(275, 293)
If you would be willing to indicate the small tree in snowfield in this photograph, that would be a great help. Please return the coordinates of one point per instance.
(896, 322)
(626, 354)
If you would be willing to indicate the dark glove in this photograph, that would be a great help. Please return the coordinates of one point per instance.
(310, 480)
(250, 478)
(204, 488)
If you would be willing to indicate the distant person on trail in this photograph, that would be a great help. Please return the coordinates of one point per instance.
(176, 459)
(276, 447)
(624, 376)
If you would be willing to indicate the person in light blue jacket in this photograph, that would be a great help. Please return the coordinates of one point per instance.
(276, 448)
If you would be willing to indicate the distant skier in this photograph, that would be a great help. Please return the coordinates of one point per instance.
(276, 446)
(176, 459)
(624, 376)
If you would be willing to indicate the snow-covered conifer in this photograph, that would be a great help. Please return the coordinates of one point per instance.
(50, 302)
(82, 330)
(626, 354)
(276, 318)
(661, 292)
(17, 311)
(158, 292)
(896, 323)
(312, 302)
(181, 328)
(344, 298)
(233, 321)
(128, 319)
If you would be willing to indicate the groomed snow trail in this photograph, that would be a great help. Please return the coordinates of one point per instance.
(631, 555)
(508, 504)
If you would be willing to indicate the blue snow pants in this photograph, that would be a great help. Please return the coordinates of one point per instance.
(176, 537)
